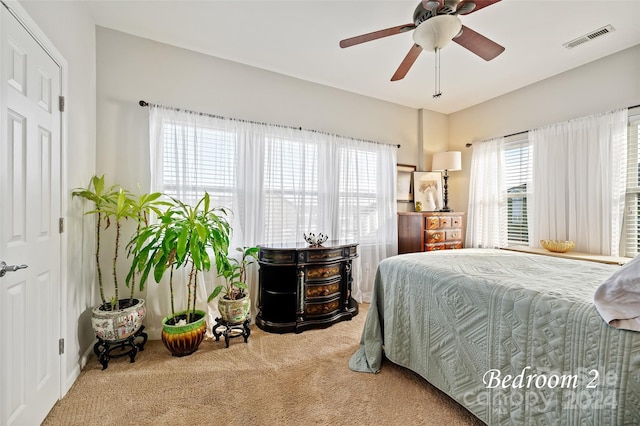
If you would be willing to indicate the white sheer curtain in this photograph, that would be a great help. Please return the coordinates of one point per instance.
(579, 182)
(279, 182)
(487, 212)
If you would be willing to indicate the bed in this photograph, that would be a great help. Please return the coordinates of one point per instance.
(513, 337)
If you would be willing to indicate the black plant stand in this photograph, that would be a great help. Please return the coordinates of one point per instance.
(103, 348)
(229, 331)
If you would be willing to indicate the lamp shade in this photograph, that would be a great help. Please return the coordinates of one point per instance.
(437, 32)
(450, 160)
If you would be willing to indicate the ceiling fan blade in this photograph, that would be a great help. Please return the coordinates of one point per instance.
(407, 62)
(479, 5)
(465, 8)
(478, 44)
(376, 35)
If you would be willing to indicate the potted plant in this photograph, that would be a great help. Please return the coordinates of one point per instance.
(235, 304)
(115, 319)
(184, 237)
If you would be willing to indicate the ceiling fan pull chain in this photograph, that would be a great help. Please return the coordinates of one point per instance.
(437, 93)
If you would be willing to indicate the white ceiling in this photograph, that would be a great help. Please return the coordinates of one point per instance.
(300, 39)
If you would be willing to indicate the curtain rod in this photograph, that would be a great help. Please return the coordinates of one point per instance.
(146, 104)
(520, 133)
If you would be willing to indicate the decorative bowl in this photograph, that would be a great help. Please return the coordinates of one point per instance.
(558, 246)
(315, 241)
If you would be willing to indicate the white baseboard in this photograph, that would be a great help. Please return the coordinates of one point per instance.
(72, 376)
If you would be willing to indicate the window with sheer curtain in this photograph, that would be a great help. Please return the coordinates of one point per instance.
(563, 181)
(280, 182)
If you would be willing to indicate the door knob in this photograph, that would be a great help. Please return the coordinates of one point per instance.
(4, 268)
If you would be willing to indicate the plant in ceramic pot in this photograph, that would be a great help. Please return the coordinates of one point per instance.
(115, 319)
(234, 303)
(187, 238)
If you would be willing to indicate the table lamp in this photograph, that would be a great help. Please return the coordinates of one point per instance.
(446, 162)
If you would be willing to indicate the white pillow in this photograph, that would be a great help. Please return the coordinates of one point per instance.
(618, 298)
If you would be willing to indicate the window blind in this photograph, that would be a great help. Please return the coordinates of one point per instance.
(291, 188)
(197, 160)
(517, 178)
(358, 212)
(631, 229)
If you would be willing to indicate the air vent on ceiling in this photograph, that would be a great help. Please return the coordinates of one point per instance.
(588, 37)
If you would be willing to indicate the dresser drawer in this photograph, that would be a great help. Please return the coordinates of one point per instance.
(277, 257)
(432, 222)
(322, 308)
(434, 247)
(322, 290)
(320, 255)
(453, 246)
(445, 222)
(452, 234)
(434, 236)
(323, 272)
(456, 222)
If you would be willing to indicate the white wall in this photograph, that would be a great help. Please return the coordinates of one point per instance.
(600, 86)
(71, 29)
(434, 136)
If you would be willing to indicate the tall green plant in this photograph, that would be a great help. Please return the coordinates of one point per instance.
(115, 204)
(183, 237)
(141, 207)
(102, 198)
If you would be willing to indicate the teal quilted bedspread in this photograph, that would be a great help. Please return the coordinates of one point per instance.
(513, 337)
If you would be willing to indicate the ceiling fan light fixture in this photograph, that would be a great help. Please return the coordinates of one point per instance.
(437, 32)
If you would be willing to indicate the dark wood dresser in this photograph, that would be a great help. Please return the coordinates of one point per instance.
(304, 287)
(428, 231)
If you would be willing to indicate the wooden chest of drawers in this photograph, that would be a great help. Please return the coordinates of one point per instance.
(304, 287)
(428, 231)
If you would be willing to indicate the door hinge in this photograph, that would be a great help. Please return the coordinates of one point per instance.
(61, 103)
(60, 346)
(61, 225)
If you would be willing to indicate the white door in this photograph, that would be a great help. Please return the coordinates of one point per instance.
(29, 233)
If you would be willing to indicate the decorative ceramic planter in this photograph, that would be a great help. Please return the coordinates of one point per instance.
(119, 324)
(182, 340)
(234, 311)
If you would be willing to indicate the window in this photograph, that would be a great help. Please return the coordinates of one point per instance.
(280, 182)
(631, 233)
(358, 213)
(198, 160)
(291, 188)
(517, 177)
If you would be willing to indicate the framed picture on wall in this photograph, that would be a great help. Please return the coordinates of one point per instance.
(427, 188)
(404, 183)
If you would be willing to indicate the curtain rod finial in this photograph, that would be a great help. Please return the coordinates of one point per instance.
(143, 103)
(468, 145)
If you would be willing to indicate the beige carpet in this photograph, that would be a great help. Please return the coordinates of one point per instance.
(275, 379)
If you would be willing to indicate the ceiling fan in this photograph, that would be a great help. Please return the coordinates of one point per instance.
(436, 23)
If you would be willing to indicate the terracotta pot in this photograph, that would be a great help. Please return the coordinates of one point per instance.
(234, 311)
(119, 324)
(182, 340)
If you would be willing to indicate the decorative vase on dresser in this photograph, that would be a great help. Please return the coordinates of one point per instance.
(428, 231)
(303, 287)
